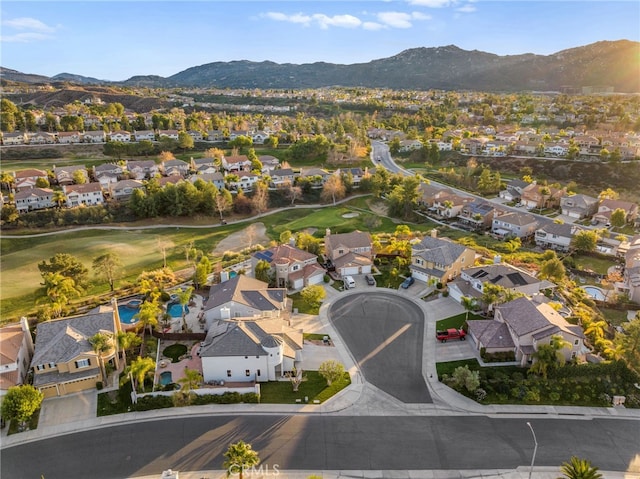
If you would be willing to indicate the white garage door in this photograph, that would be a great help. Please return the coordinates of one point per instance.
(349, 271)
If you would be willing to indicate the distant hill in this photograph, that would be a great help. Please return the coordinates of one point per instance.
(603, 64)
(8, 74)
(79, 79)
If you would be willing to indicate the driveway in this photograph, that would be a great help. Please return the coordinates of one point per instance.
(384, 333)
(65, 409)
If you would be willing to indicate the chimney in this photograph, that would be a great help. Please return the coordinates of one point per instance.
(497, 259)
(24, 324)
(327, 232)
(292, 242)
(434, 233)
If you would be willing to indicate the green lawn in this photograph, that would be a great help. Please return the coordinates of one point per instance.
(599, 265)
(315, 387)
(614, 316)
(455, 321)
(314, 336)
(302, 306)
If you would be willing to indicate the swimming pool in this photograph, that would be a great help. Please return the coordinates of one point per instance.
(595, 293)
(175, 310)
(166, 378)
(128, 310)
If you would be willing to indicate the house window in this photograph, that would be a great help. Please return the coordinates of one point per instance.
(247, 372)
(40, 367)
(52, 365)
(258, 372)
(576, 342)
(83, 363)
(228, 373)
(246, 357)
(295, 267)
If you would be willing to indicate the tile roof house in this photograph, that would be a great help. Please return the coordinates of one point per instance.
(64, 361)
(521, 326)
(556, 236)
(439, 260)
(449, 204)
(175, 167)
(315, 173)
(245, 298)
(513, 192)
(291, 267)
(533, 196)
(142, 169)
(144, 135)
(33, 199)
(16, 350)
(578, 206)
(250, 351)
(607, 207)
(14, 138)
(25, 179)
(69, 137)
(216, 178)
(350, 253)
(198, 162)
(472, 281)
(64, 174)
(94, 136)
(269, 162)
(477, 215)
(236, 163)
(123, 189)
(121, 136)
(282, 176)
(520, 225)
(88, 194)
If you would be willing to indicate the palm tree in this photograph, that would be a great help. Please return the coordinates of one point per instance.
(59, 197)
(127, 340)
(101, 343)
(596, 329)
(469, 304)
(148, 316)
(184, 297)
(7, 179)
(191, 380)
(549, 356)
(240, 457)
(579, 469)
(140, 369)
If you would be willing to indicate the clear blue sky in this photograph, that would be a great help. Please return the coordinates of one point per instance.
(115, 40)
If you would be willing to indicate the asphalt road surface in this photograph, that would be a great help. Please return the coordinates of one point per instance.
(325, 443)
(384, 333)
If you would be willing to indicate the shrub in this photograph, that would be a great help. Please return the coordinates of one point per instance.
(99, 385)
(326, 278)
(252, 398)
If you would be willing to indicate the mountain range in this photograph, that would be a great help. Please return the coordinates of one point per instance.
(612, 64)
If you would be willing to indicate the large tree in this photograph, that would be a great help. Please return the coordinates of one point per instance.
(549, 356)
(261, 271)
(629, 343)
(331, 370)
(21, 402)
(333, 189)
(67, 265)
(618, 218)
(240, 457)
(313, 295)
(403, 198)
(585, 241)
(147, 316)
(127, 340)
(102, 343)
(552, 269)
(108, 266)
(139, 369)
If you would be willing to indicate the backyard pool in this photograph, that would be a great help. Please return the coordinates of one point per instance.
(175, 310)
(128, 310)
(166, 378)
(595, 293)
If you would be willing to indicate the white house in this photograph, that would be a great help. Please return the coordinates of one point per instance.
(142, 169)
(250, 351)
(236, 163)
(121, 136)
(123, 189)
(520, 225)
(556, 236)
(94, 136)
(144, 135)
(88, 194)
(33, 199)
(350, 253)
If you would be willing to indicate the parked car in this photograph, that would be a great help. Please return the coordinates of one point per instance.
(407, 282)
(451, 333)
(349, 282)
(370, 280)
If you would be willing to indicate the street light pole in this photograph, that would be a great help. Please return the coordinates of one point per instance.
(535, 449)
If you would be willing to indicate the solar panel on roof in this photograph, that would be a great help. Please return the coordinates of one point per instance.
(265, 255)
(496, 279)
(516, 278)
(479, 274)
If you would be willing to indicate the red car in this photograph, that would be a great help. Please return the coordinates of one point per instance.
(450, 333)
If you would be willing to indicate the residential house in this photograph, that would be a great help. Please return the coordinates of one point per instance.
(317, 176)
(477, 215)
(142, 169)
(556, 236)
(356, 174)
(165, 180)
(472, 281)
(514, 189)
(26, 179)
(216, 178)
(449, 204)
(107, 179)
(282, 177)
(442, 145)
(69, 137)
(525, 147)
(632, 269)
(173, 134)
(233, 134)
(64, 361)
(245, 298)
(88, 194)
(350, 253)
(33, 199)
(439, 260)
(516, 224)
(578, 206)
(41, 138)
(121, 136)
(111, 169)
(430, 194)
(141, 135)
(259, 137)
(269, 163)
(175, 167)
(606, 207)
(94, 136)
(291, 267)
(16, 351)
(65, 174)
(541, 196)
(410, 145)
(250, 351)
(215, 135)
(233, 164)
(521, 326)
(195, 134)
(14, 138)
(123, 189)
(556, 149)
(199, 162)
